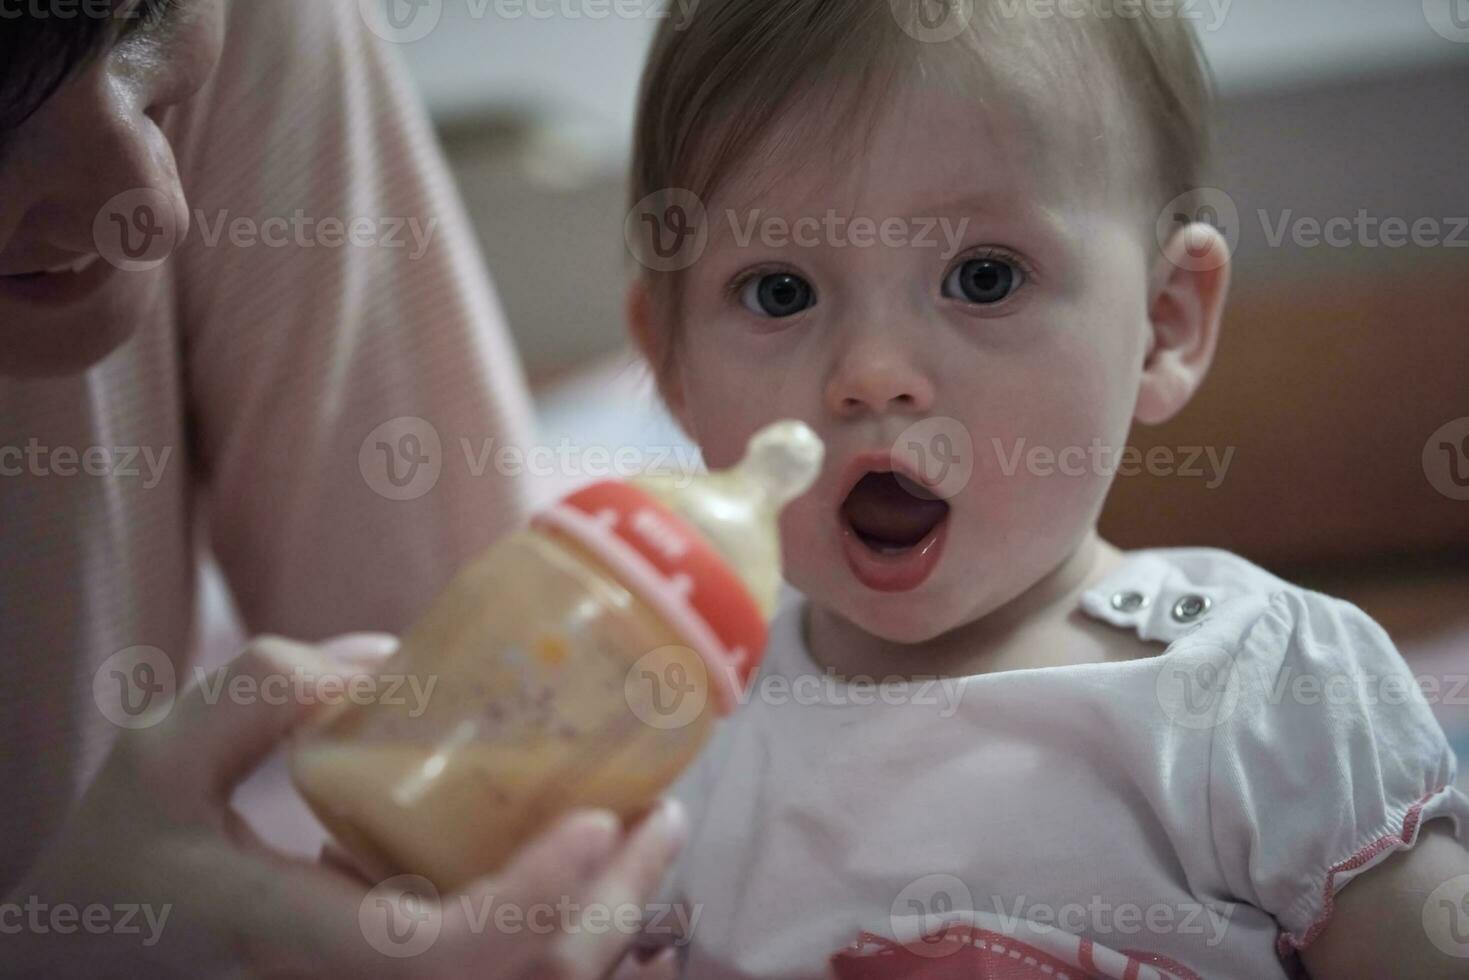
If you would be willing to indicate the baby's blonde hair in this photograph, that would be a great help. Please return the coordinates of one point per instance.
(717, 85)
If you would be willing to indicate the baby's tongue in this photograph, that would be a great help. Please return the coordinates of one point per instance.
(890, 510)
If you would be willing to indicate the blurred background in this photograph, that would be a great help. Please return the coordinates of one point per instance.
(1342, 385)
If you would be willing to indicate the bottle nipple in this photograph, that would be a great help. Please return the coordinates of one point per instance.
(738, 509)
(783, 459)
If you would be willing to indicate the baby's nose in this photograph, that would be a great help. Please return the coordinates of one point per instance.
(878, 377)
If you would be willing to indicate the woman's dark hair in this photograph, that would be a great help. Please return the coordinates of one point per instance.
(42, 42)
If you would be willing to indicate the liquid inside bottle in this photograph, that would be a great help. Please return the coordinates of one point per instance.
(581, 662)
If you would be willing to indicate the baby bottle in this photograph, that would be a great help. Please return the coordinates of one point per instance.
(580, 662)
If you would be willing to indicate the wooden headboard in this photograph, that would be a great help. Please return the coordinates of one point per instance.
(1328, 388)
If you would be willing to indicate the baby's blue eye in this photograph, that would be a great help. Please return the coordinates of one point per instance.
(983, 281)
(777, 295)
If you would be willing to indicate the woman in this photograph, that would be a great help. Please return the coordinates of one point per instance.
(238, 300)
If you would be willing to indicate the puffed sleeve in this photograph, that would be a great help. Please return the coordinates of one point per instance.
(350, 377)
(1325, 760)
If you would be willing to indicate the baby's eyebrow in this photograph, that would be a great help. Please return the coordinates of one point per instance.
(991, 203)
(981, 202)
(1011, 207)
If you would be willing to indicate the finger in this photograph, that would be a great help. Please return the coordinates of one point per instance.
(572, 853)
(338, 859)
(631, 879)
(224, 725)
(366, 650)
(560, 863)
(290, 917)
(238, 830)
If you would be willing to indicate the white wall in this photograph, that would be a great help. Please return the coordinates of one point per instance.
(585, 70)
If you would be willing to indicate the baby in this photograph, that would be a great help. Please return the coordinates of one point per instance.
(944, 236)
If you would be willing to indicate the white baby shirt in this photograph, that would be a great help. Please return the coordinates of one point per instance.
(1183, 815)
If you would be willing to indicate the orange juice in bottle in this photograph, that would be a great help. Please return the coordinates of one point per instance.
(580, 662)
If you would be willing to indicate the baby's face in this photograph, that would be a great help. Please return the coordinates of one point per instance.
(993, 312)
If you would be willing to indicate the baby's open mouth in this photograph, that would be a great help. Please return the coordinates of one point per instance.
(891, 513)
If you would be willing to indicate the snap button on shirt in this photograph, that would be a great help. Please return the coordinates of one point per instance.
(1190, 608)
(1129, 601)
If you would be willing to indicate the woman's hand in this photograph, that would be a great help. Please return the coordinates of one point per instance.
(155, 834)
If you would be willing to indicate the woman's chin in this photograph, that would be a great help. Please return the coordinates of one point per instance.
(35, 350)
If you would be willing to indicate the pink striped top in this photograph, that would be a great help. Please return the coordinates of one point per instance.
(245, 414)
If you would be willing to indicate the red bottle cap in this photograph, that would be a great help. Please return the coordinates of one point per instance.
(664, 559)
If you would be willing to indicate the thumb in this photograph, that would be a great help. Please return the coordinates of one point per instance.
(227, 722)
(365, 650)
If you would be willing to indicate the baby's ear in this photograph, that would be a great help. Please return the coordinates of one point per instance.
(652, 338)
(1185, 306)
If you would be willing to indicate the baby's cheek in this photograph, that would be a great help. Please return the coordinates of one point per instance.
(1054, 446)
(717, 432)
(721, 408)
(1035, 492)
(801, 522)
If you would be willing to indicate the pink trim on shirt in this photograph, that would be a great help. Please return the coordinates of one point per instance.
(1287, 944)
(958, 950)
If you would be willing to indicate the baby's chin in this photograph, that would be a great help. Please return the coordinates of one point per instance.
(904, 618)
